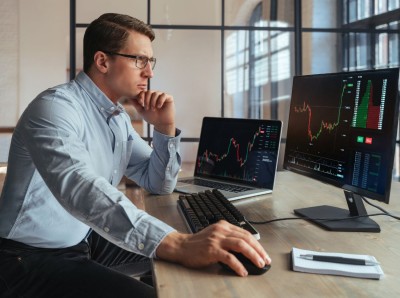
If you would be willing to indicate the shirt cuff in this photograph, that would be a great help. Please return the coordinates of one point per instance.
(177, 133)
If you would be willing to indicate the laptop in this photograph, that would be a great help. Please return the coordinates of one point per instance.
(237, 156)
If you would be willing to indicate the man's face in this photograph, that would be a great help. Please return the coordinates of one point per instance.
(124, 78)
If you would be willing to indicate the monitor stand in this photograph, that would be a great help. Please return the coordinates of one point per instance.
(356, 207)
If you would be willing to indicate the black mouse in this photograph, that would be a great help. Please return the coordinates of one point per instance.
(251, 268)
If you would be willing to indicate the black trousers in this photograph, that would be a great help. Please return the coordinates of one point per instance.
(93, 268)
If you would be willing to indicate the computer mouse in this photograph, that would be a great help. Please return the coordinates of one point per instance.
(251, 268)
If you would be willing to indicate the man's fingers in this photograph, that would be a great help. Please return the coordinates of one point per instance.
(246, 249)
(232, 262)
(258, 250)
(154, 99)
(138, 101)
(236, 239)
(151, 100)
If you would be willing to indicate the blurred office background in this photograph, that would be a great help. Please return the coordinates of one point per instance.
(229, 58)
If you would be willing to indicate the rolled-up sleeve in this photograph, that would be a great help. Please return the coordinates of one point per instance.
(156, 170)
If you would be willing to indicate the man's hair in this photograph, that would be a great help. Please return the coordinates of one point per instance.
(109, 33)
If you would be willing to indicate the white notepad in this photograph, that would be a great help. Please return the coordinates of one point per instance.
(310, 266)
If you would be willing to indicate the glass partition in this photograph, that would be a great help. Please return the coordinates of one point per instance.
(193, 56)
(87, 11)
(186, 12)
(269, 13)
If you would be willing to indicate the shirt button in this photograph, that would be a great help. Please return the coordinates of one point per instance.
(102, 108)
(106, 229)
(117, 144)
(171, 145)
(141, 246)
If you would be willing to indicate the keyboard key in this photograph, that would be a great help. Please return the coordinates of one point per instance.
(204, 208)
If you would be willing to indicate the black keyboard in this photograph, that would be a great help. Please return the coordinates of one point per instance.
(205, 208)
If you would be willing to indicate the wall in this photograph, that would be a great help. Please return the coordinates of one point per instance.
(9, 62)
(43, 52)
(33, 52)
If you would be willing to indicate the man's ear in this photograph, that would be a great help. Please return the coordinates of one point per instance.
(101, 61)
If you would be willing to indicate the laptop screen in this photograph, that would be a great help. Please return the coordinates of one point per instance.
(239, 150)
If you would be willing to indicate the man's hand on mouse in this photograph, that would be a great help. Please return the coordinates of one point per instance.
(212, 245)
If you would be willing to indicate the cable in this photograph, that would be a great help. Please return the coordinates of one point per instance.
(311, 218)
(329, 219)
(380, 208)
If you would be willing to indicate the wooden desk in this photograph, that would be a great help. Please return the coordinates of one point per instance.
(291, 191)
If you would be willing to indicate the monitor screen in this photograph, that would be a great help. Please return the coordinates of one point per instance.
(240, 150)
(342, 129)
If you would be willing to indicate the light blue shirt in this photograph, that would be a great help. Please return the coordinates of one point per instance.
(68, 153)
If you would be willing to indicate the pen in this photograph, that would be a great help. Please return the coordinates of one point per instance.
(340, 260)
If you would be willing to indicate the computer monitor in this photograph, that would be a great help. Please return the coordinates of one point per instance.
(342, 130)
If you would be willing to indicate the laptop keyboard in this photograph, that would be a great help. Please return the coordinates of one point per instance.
(218, 185)
(202, 209)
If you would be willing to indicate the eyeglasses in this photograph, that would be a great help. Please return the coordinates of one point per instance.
(140, 61)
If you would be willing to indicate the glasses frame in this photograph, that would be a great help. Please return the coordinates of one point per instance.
(145, 59)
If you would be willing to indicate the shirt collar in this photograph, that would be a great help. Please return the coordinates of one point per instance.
(103, 103)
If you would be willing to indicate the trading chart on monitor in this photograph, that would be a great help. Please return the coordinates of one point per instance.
(241, 150)
(339, 126)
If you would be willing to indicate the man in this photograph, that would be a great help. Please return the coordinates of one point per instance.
(65, 230)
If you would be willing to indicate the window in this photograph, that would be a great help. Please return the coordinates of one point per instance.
(237, 58)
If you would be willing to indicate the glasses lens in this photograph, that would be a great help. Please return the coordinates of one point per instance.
(141, 62)
(152, 62)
